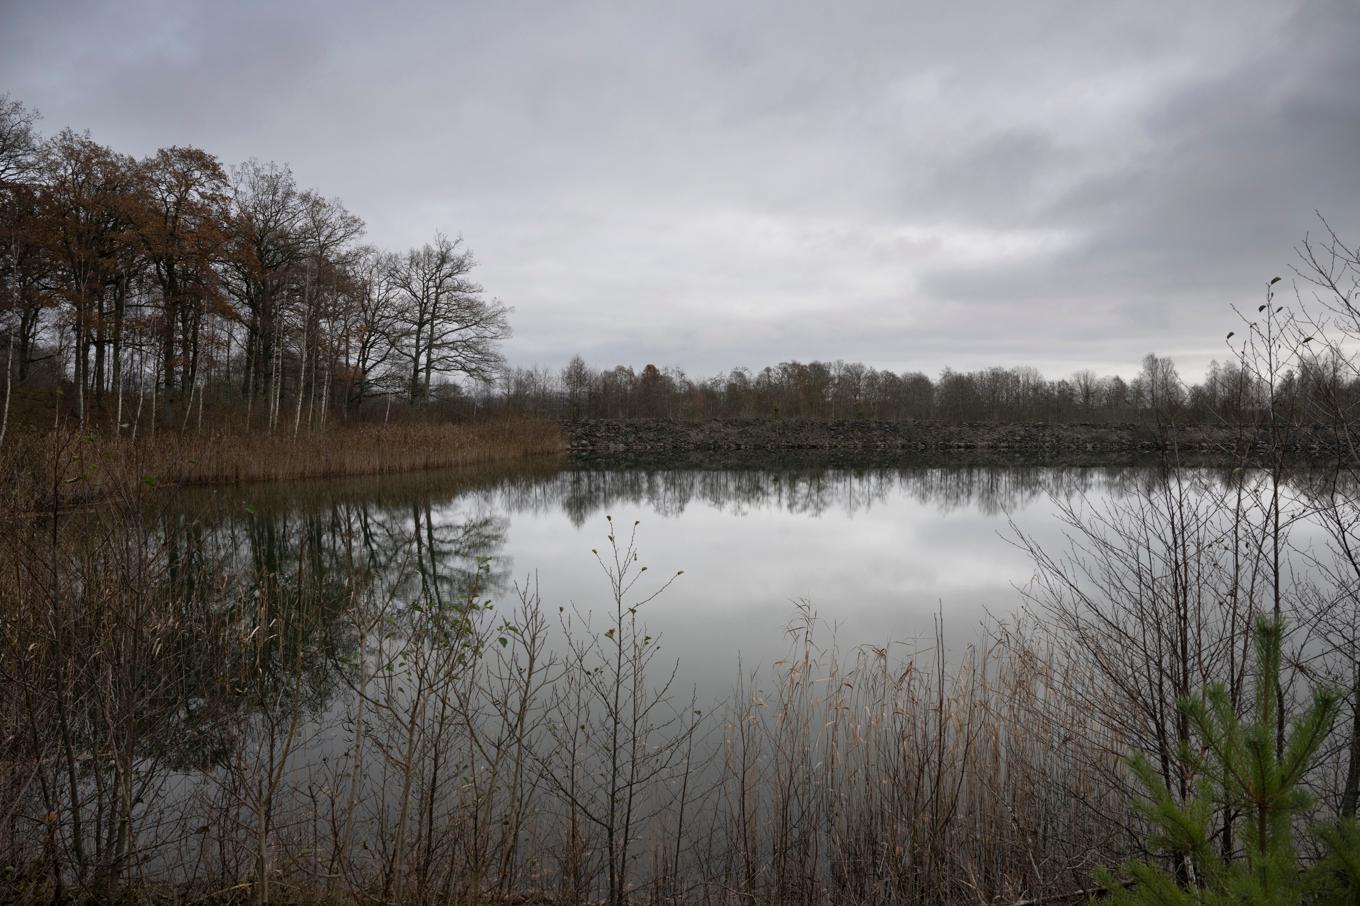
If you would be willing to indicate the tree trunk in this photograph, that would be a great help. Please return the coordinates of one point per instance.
(99, 340)
(141, 392)
(82, 368)
(302, 386)
(119, 308)
(9, 380)
(1350, 797)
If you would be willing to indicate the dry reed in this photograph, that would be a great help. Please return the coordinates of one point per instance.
(269, 713)
(91, 467)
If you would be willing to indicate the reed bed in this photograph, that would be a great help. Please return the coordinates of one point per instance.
(86, 467)
(875, 778)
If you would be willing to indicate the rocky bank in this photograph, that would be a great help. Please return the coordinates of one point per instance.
(592, 437)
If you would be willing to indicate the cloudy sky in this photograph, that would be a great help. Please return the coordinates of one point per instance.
(707, 184)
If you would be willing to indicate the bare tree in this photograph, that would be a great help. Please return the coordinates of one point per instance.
(264, 248)
(447, 327)
(180, 220)
(18, 141)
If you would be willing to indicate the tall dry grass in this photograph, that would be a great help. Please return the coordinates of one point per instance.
(36, 465)
(272, 715)
(869, 777)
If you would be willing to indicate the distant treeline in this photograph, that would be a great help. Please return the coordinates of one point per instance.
(841, 390)
(145, 289)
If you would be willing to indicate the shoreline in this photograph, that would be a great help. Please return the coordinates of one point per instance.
(592, 438)
(41, 468)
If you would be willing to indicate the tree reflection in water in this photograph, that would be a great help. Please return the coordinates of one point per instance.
(246, 685)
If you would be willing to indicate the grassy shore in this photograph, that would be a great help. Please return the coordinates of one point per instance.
(38, 466)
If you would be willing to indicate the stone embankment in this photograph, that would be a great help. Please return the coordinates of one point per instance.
(590, 437)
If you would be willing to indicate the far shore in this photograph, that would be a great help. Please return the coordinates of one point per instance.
(639, 437)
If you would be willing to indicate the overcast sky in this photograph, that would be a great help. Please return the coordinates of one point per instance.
(709, 184)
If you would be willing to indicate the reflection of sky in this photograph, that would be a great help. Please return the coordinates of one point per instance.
(875, 552)
(878, 573)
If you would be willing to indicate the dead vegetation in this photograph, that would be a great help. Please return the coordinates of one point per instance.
(92, 467)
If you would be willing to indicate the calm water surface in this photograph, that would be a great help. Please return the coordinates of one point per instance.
(876, 553)
(312, 602)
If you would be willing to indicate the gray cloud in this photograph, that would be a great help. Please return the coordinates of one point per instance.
(705, 184)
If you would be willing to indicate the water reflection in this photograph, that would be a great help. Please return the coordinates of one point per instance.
(877, 550)
(875, 546)
(293, 641)
(584, 492)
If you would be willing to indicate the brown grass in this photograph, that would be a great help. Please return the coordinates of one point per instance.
(38, 466)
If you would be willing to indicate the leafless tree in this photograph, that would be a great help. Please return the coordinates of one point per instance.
(447, 327)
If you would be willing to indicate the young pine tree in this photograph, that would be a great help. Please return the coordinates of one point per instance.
(1245, 774)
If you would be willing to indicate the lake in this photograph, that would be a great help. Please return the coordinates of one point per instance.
(437, 681)
(877, 553)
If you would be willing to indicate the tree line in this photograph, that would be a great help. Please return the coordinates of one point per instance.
(162, 282)
(147, 290)
(1230, 391)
